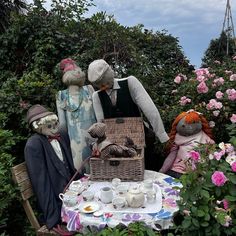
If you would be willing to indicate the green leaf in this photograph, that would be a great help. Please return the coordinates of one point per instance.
(205, 193)
(195, 222)
(230, 198)
(204, 224)
(186, 223)
(200, 213)
(232, 178)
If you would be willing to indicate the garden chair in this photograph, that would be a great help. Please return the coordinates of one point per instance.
(21, 178)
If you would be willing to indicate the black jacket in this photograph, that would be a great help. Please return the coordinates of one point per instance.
(48, 174)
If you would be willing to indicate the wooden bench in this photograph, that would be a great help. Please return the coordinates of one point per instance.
(21, 178)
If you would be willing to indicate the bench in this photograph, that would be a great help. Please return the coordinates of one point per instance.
(21, 178)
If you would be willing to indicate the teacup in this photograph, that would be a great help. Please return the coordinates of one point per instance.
(151, 196)
(76, 186)
(119, 203)
(148, 183)
(88, 195)
(122, 189)
(69, 198)
(106, 195)
(115, 182)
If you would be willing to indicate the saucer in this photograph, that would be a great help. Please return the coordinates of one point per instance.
(89, 207)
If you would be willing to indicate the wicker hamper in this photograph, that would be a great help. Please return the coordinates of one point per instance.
(125, 168)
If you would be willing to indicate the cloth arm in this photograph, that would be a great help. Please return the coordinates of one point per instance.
(97, 106)
(60, 112)
(168, 163)
(40, 181)
(145, 103)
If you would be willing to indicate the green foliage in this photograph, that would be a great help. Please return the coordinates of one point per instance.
(207, 205)
(133, 229)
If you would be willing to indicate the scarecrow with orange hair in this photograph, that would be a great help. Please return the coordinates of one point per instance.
(188, 130)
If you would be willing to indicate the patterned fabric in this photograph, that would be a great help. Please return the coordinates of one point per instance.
(76, 114)
(156, 220)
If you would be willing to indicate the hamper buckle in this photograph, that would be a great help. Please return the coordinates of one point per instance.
(114, 163)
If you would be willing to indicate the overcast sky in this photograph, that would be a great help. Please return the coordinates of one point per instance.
(194, 22)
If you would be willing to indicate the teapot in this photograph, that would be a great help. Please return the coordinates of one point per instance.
(134, 197)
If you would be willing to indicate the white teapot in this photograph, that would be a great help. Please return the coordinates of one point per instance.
(134, 197)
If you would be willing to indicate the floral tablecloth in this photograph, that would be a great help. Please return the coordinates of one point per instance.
(77, 221)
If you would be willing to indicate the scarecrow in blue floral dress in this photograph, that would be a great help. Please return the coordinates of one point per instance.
(75, 110)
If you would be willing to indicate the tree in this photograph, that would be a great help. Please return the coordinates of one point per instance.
(7, 7)
(217, 50)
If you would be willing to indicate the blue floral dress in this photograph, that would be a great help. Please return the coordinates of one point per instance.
(76, 114)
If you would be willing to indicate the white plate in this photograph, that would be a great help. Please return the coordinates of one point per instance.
(89, 207)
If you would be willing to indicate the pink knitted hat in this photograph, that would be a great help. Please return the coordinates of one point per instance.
(67, 64)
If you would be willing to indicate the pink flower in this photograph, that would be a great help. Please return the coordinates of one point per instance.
(232, 77)
(219, 95)
(177, 79)
(202, 88)
(228, 72)
(218, 82)
(216, 113)
(234, 57)
(225, 204)
(233, 166)
(218, 155)
(233, 118)
(231, 94)
(194, 155)
(213, 104)
(212, 124)
(184, 100)
(218, 178)
(217, 62)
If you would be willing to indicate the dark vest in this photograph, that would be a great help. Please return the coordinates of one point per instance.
(125, 107)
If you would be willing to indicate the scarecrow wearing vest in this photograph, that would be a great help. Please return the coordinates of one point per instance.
(75, 110)
(49, 163)
(125, 98)
(188, 130)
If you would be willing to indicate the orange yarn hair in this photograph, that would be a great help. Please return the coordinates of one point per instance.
(190, 117)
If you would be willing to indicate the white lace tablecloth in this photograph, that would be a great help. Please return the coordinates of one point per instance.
(159, 218)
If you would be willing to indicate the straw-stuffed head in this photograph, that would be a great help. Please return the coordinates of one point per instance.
(189, 123)
(72, 73)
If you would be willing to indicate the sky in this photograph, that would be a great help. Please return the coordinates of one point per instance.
(193, 22)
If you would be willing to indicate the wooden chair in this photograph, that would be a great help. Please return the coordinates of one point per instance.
(21, 178)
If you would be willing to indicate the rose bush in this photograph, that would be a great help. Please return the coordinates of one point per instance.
(211, 91)
(208, 195)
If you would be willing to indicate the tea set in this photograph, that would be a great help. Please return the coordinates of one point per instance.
(120, 194)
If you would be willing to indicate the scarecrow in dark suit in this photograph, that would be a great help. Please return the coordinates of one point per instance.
(49, 162)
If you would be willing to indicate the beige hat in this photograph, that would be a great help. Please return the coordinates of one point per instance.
(97, 71)
(97, 130)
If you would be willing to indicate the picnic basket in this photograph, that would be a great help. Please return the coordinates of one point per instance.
(125, 168)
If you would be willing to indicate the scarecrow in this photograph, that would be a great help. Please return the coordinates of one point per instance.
(104, 148)
(126, 98)
(75, 110)
(49, 163)
(188, 130)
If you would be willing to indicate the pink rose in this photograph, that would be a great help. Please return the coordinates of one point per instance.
(234, 57)
(232, 77)
(225, 204)
(233, 166)
(233, 118)
(184, 100)
(218, 178)
(219, 95)
(231, 94)
(216, 113)
(202, 88)
(177, 79)
(194, 155)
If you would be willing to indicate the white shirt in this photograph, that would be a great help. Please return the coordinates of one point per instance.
(57, 148)
(141, 98)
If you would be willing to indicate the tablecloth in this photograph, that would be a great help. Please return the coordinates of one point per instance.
(77, 221)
